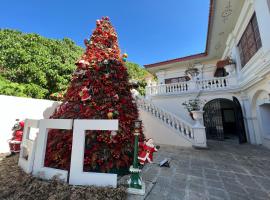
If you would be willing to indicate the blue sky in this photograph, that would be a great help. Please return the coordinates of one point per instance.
(148, 30)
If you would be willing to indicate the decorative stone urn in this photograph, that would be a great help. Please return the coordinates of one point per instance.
(198, 117)
(199, 130)
(230, 69)
(192, 73)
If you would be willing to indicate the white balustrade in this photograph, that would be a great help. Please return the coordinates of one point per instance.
(183, 128)
(213, 84)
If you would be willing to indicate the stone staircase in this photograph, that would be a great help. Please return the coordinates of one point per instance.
(165, 126)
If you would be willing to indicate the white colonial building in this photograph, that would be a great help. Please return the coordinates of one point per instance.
(232, 76)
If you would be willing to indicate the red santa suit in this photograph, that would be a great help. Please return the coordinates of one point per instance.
(146, 151)
(15, 141)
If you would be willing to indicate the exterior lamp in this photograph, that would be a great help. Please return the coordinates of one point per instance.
(136, 185)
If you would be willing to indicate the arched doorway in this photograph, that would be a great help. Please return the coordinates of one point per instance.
(223, 119)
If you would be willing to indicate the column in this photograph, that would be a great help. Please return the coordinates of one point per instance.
(249, 120)
(199, 130)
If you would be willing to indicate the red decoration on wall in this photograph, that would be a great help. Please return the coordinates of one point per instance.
(99, 90)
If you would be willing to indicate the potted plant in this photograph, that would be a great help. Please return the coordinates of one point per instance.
(194, 107)
(192, 72)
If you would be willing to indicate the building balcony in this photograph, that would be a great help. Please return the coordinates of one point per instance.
(209, 85)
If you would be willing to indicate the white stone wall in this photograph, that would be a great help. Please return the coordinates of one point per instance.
(206, 72)
(254, 77)
(257, 65)
(155, 129)
(257, 104)
(20, 108)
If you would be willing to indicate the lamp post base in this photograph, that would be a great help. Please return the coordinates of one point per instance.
(137, 191)
(135, 183)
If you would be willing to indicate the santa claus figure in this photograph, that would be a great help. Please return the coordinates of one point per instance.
(147, 150)
(15, 141)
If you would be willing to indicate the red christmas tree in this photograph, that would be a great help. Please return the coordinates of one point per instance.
(99, 90)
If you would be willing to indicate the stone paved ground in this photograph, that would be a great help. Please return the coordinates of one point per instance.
(224, 171)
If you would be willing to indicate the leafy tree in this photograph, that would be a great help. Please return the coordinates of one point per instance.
(39, 66)
(137, 74)
(35, 66)
(24, 90)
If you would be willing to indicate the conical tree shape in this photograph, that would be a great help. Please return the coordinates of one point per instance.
(99, 90)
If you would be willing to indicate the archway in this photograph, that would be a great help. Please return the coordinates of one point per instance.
(223, 120)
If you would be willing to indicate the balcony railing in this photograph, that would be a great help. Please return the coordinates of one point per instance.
(214, 84)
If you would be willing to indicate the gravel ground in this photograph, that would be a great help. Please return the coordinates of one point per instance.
(15, 184)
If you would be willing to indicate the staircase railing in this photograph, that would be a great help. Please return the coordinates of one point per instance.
(180, 126)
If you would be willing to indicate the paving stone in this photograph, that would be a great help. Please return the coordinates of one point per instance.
(217, 198)
(159, 190)
(255, 171)
(201, 164)
(238, 169)
(229, 180)
(223, 167)
(179, 184)
(247, 181)
(195, 180)
(257, 194)
(196, 188)
(155, 196)
(226, 171)
(234, 188)
(150, 174)
(212, 177)
(217, 193)
(196, 172)
(237, 196)
(264, 182)
(227, 174)
(214, 184)
(163, 183)
(167, 172)
(176, 194)
(265, 172)
(179, 176)
(196, 196)
(211, 171)
(182, 169)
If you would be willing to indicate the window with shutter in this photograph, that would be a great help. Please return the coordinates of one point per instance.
(250, 42)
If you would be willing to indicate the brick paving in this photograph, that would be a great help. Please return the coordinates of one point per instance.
(224, 171)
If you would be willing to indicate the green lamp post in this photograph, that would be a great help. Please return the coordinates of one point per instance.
(136, 185)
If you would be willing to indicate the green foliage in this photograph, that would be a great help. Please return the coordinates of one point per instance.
(35, 66)
(194, 104)
(23, 90)
(138, 74)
